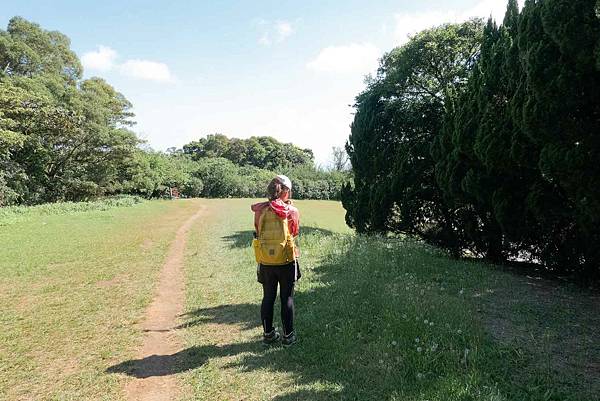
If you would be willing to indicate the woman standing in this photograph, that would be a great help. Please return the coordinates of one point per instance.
(276, 224)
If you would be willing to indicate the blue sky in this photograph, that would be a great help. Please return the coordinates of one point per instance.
(241, 68)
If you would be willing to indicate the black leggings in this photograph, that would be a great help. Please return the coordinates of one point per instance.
(286, 276)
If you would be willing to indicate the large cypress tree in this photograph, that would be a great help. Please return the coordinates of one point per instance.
(465, 182)
(560, 114)
(516, 157)
(514, 167)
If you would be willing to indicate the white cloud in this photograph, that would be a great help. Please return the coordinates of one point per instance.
(276, 32)
(284, 29)
(147, 70)
(104, 60)
(353, 58)
(100, 60)
(410, 23)
(265, 40)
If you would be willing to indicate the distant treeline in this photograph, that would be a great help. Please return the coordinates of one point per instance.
(262, 152)
(63, 138)
(485, 139)
(219, 177)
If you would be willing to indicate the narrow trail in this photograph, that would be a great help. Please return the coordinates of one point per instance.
(153, 380)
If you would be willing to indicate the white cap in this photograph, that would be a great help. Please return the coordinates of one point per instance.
(285, 180)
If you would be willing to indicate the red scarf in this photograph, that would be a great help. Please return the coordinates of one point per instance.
(280, 208)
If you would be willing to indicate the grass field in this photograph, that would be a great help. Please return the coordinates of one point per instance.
(377, 318)
(380, 319)
(72, 287)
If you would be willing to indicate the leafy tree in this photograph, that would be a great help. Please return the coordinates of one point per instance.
(237, 152)
(80, 149)
(20, 111)
(28, 50)
(558, 114)
(68, 137)
(151, 174)
(397, 119)
(262, 152)
(472, 167)
(255, 152)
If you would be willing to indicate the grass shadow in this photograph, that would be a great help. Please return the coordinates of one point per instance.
(357, 329)
(368, 301)
(239, 314)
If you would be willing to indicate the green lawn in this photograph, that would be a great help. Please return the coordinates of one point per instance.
(378, 318)
(72, 288)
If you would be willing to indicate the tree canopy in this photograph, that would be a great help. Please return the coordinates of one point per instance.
(397, 118)
(262, 151)
(496, 154)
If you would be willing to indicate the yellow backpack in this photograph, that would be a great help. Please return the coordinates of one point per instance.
(274, 245)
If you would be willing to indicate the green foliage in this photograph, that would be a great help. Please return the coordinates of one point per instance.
(503, 161)
(151, 174)
(397, 118)
(222, 178)
(471, 152)
(263, 152)
(18, 108)
(559, 115)
(516, 158)
(28, 50)
(243, 168)
(14, 214)
(60, 138)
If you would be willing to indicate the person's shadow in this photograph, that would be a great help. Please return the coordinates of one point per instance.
(194, 357)
(325, 352)
(190, 358)
(345, 323)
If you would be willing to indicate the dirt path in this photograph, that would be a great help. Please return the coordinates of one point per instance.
(153, 380)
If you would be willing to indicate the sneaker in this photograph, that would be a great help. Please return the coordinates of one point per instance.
(289, 340)
(272, 337)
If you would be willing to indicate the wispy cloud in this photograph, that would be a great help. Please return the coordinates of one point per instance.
(104, 59)
(408, 24)
(265, 39)
(353, 58)
(99, 60)
(274, 32)
(283, 29)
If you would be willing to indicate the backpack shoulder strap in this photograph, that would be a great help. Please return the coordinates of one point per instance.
(261, 220)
